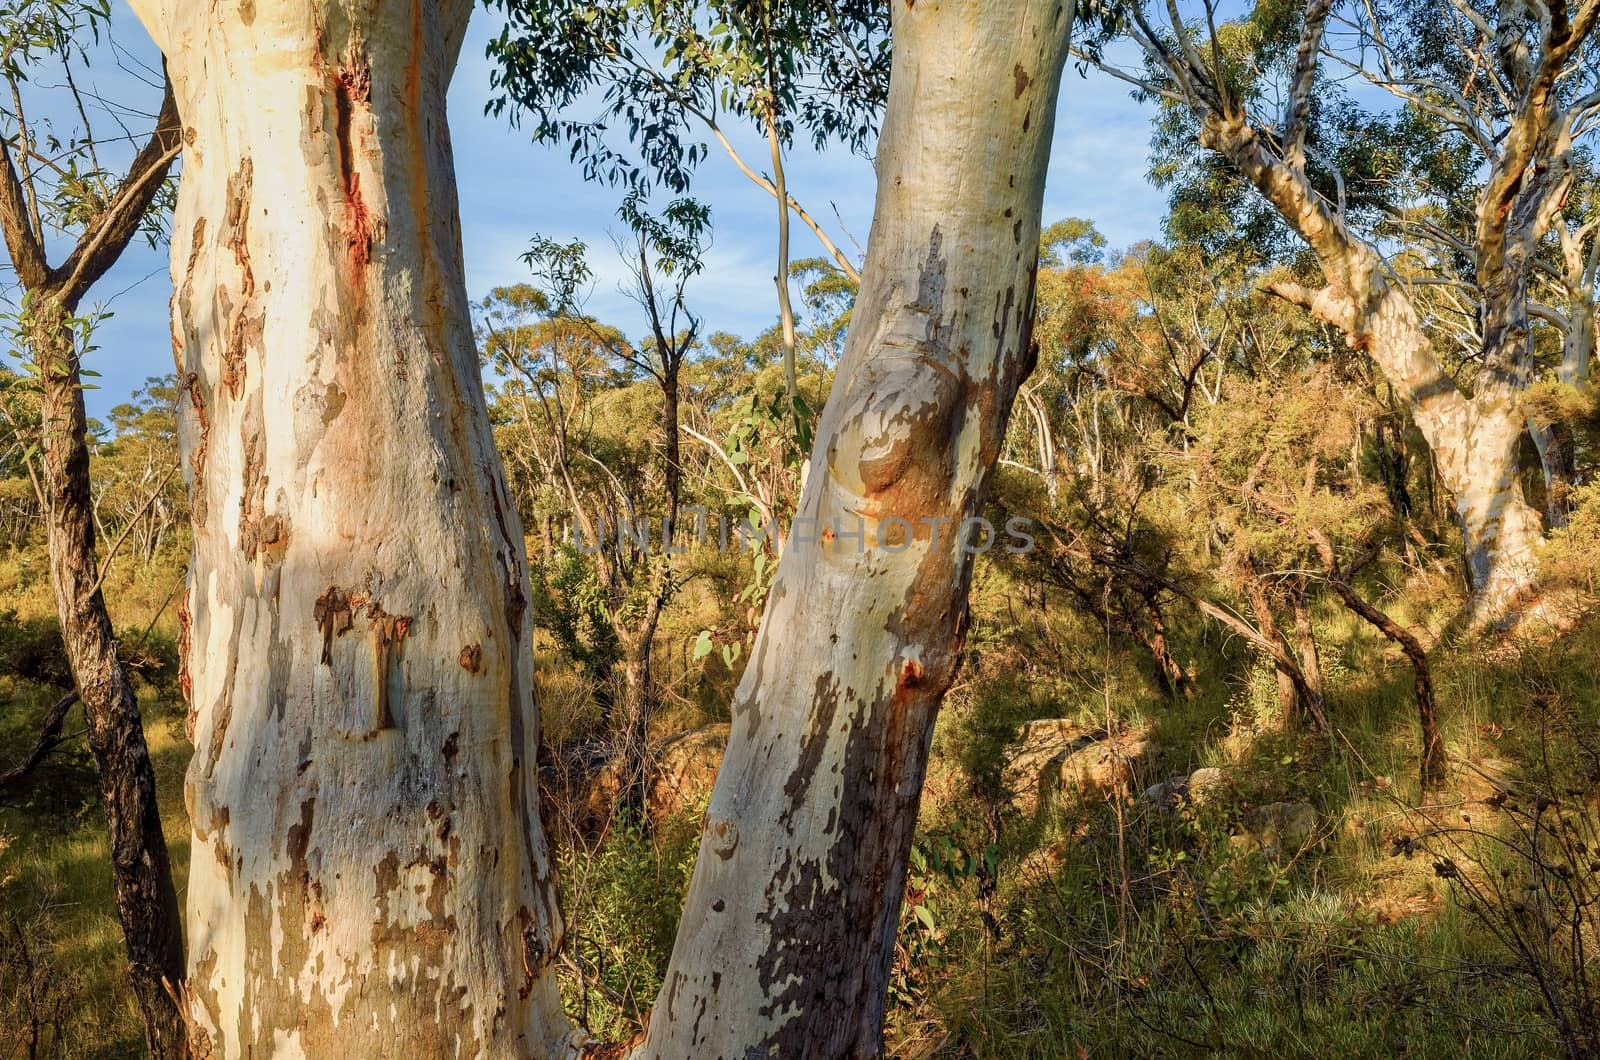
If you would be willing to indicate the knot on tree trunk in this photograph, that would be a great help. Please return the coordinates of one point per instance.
(892, 451)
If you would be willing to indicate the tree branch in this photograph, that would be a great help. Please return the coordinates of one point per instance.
(49, 739)
(27, 254)
(109, 233)
(1297, 115)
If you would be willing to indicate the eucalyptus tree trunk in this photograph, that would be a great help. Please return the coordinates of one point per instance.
(1474, 439)
(788, 932)
(368, 872)
(637, 634)
(1577, 342)
(1553, 443)
(638, 699)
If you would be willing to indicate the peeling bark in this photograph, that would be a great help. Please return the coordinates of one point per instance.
(369, 874)
(789, 929)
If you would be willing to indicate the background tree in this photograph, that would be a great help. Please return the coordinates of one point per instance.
(138, 494)
(1217, 455)
(612, 513)
(1510, 98)
(52, 190)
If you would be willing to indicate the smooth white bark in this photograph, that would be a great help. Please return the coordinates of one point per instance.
(789, 928)
(368, 874)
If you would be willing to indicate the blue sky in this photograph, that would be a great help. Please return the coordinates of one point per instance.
(511, 189)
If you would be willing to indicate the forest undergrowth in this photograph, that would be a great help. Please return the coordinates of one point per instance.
(1308, 901)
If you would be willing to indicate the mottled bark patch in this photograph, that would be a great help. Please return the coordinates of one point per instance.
(388, 631)
(245, 333)
(893, 451)
(535, 955)
(198, 487)
(1021, 81)
(516, 599)
(824, 706)
(892, 448)
(298, 841)
(208, 821)
(283, 925)
(221, 710)
(836, 941)
(185, 645)
(931, 282)
(333, 615)
(333, 399)
(261, 535)
(182, 299)
(206, 1000)
(245, 322)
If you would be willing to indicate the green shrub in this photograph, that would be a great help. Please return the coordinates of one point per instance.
(622, 898)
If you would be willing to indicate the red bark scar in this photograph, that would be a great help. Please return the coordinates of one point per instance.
(1020, 76)
(907, 684)
(353, 86)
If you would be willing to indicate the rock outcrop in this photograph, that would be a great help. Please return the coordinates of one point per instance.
(1055, 757)
(683, 767)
